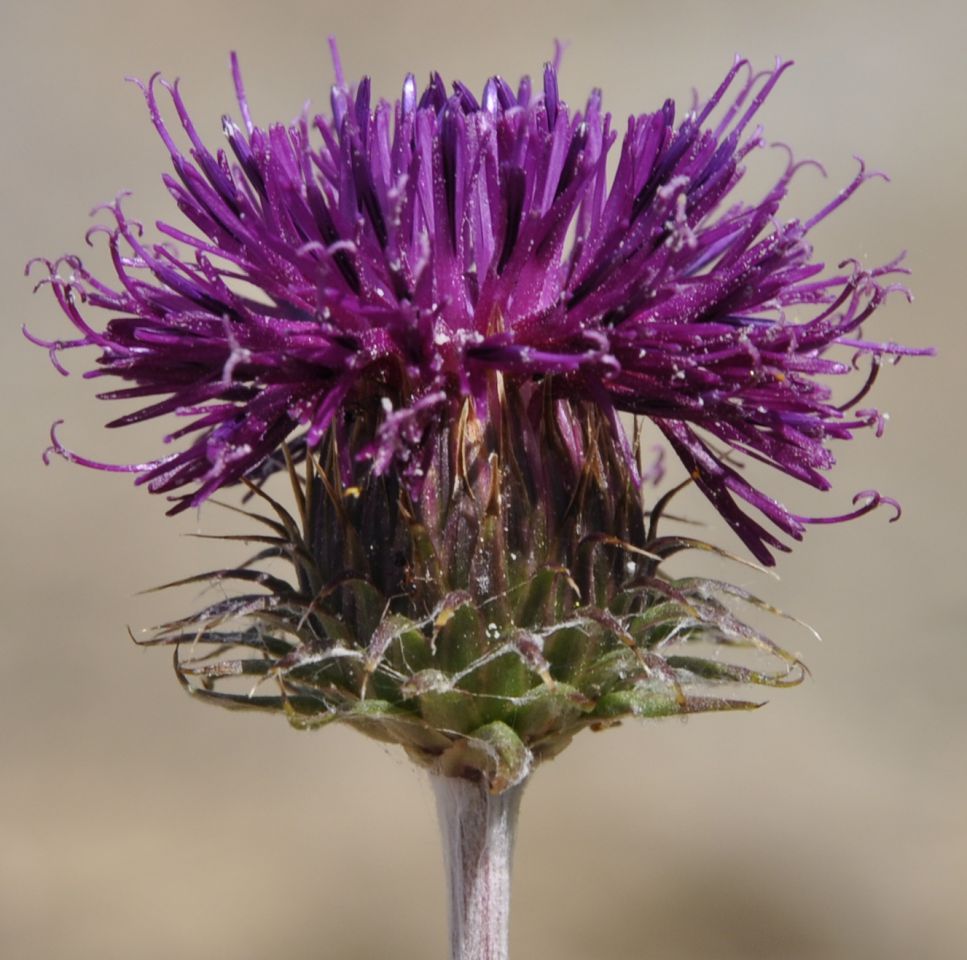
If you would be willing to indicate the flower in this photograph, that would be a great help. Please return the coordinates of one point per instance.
(400, 255)
(431, 315)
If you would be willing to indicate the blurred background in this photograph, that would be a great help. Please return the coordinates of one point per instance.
(134, 823)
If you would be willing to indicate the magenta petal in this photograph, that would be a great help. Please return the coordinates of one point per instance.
(400, 256)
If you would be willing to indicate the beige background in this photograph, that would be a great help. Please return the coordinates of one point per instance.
(833, 824)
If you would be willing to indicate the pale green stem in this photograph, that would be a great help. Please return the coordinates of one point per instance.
(478, 830)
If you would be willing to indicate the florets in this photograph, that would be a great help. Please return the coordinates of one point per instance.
(404, 253)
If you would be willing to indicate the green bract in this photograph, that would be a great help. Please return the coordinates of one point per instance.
(520, 600)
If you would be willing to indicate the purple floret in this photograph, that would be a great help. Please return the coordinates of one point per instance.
(406, 252)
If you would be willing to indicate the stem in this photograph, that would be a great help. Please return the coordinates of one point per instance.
(478, 830)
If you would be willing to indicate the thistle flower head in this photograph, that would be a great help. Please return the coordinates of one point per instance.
(432, 315)
(403, 255)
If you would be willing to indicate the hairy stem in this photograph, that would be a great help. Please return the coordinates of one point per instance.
(478, 830)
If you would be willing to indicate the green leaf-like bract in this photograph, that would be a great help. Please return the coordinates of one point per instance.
(520, 600)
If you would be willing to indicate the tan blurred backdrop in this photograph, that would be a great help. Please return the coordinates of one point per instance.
(832, 824)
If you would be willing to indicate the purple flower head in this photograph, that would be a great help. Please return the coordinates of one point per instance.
(406, 254)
